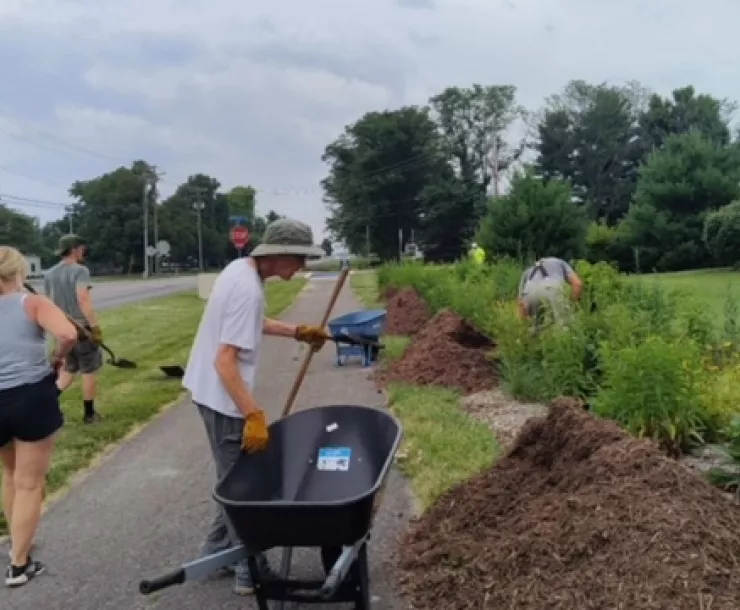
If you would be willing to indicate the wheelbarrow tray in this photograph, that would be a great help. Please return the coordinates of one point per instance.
(368, 324)
(317, 484)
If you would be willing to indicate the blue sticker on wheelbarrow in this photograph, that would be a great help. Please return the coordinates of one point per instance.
(334, 458)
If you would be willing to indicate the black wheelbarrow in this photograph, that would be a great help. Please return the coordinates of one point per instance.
(318, 484)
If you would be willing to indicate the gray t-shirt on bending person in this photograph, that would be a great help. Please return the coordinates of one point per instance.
(60, 285)
(546, 270)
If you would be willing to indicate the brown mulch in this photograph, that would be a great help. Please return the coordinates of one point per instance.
(448, 352)
(406, 312)
(577, 516)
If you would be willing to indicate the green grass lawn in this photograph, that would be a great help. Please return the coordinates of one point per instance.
(365, 287)
(442, 445)
(711, 286)
(152, 333)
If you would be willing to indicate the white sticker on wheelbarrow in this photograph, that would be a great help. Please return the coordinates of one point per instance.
(334, 458)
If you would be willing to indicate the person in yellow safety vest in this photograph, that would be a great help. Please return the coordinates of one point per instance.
(477, 253)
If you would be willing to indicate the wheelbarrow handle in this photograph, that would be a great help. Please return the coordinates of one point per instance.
(176, 577)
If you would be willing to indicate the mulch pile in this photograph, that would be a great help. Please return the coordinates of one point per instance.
(577, 516)
(448, 352)
(406, 312)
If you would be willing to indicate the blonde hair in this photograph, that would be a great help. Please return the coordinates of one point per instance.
(13, 266)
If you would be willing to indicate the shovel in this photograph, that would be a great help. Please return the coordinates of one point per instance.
(120, 363)
(173, 371)
(354, 340)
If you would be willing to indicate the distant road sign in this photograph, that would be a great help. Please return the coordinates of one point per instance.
(239, 237)
(163, 248)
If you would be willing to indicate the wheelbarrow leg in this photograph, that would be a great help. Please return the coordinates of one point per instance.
(256, 574)
(361, 577)
(285, 570)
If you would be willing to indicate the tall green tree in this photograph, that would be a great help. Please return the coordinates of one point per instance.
(722, 234)
(685, 112)
(378, 170)
(678, 186)
(473, 122)
(242, 201)
(588, 135)
(179, 214)
(109, 213)
(535, 218)
(20, 231)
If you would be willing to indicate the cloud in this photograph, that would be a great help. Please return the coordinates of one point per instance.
(416, 3)
(253, 93)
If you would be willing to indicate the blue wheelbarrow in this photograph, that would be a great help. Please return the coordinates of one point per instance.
(357, 334)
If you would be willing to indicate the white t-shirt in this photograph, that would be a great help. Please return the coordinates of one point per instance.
(234, 315)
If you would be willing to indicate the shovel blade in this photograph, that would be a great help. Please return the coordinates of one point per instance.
(175, 371)
(122, 363)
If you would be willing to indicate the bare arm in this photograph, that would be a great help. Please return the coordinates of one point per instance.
(86, 306)
(52, 319)
(228, 371)
(276, 328)
(521, 309)
(576, 284)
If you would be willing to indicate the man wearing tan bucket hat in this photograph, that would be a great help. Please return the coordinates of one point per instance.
(221, 371)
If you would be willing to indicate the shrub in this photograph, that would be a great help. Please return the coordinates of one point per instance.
(729, 478)
(535, 218)
(654, 390)
(721, 234)
(619, 346)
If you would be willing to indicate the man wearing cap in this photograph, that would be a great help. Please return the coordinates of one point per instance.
(68, 285)
(221, 370)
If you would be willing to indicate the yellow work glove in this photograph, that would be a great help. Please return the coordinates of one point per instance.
(254, 434)
(96, 335)
(315, 336)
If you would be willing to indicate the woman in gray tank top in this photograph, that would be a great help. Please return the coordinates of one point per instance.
(29, 406)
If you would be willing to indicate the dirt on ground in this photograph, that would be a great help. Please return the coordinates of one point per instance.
(504, 415)
(406, 312)
(447, 352)
(578, 515)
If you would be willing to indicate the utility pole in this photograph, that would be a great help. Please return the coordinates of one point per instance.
(145, 253)
(367, 240)
(494, 162)
(149, 178)
(155, 178)
(199, 205)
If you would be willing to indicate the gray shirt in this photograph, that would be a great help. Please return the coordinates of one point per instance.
(551, 269)
(23, 357)
(60, 285)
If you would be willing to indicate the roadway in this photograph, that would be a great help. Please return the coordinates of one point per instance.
(114, 293)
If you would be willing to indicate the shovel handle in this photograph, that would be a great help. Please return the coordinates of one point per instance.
(307, 360)
(78, 327)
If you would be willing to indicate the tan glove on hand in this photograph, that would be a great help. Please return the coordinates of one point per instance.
(315, 336)
(255, 435)
(96, 335)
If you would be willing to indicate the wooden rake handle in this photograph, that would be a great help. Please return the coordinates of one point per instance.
(307, 360)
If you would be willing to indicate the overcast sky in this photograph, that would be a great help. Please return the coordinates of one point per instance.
(251, 92)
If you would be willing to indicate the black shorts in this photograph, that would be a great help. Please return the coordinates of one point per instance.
(85, 358)
(30, 412)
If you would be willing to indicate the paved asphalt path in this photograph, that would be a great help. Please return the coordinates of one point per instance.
(145, 509)
(115, 293)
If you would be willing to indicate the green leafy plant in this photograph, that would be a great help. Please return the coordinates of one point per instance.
(724, 478)
(654, 390)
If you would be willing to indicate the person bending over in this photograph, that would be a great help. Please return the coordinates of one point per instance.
(542, 285)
